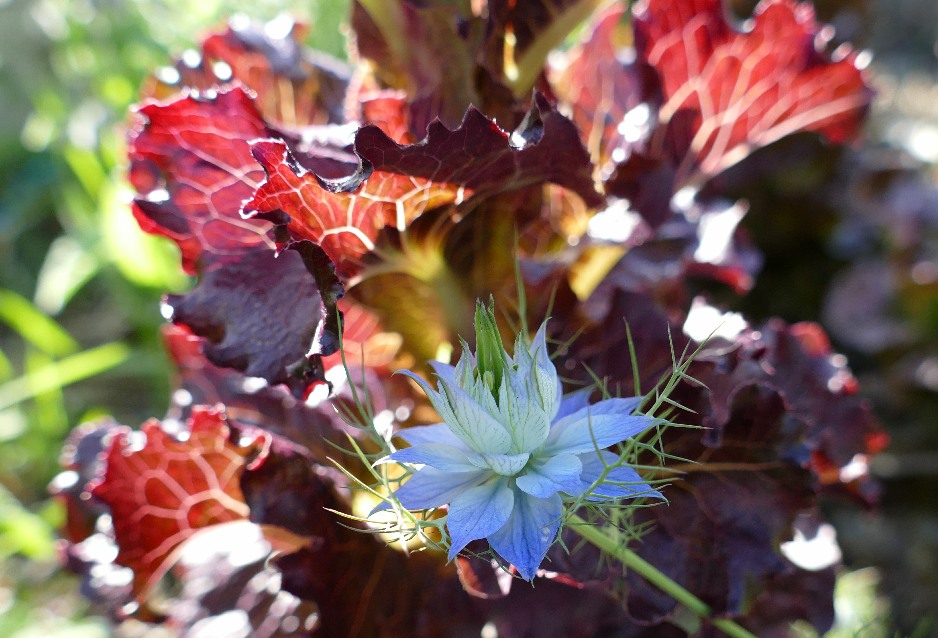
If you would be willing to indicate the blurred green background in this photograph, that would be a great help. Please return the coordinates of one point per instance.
(80, 284)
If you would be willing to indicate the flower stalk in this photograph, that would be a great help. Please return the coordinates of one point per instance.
(649, 572)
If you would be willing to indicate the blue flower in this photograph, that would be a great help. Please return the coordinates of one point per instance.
(510, 448)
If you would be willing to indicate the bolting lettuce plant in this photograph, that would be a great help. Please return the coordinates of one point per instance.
(342, 222)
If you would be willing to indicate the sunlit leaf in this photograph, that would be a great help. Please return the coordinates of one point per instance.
(161, 489)
(398, 183)
(191, 166)
(728, 90)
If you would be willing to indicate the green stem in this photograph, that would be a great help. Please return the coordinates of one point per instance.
(633, 561)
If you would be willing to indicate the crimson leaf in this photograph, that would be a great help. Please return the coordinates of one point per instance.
(396, 184)
(162, 489)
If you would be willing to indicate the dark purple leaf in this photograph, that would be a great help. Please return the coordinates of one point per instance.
(265, 315)
(81, 460)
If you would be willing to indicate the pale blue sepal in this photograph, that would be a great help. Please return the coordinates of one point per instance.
(573, 402)
(560, 473)
(597, 426)
(430, 487)
(529, 532)
(478, 512)
(520, 376)
(461, 377)
(437, 433)
(442, 457)
(625, 481)
(504, 464)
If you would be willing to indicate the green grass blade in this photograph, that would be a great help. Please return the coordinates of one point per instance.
(76, 367)
(35, 326)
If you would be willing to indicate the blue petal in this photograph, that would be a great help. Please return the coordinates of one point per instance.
(504, 464)
(437, 433)
(573, 402)
(472, 423)
(529, 532)
(462, 377)
(430, 487)
(560, 473)
(443, 457)
(545, 374)
(628, 482)
(478, 512)
(468, 420)
(528, 422)
(445, 371)
(596, 426)
(437, 399)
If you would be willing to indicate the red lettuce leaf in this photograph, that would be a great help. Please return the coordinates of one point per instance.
(396, 184)
(295, 87)
(344, 224)
(162, 489)
(480, 156)
(218, 558)
(727, 92)
(273, 408)
(192, 167)
(816, 386)
(601, 82)
(420, 50)
(388, 111)
(282, 488)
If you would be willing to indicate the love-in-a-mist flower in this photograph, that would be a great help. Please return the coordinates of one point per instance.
(511, 448)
